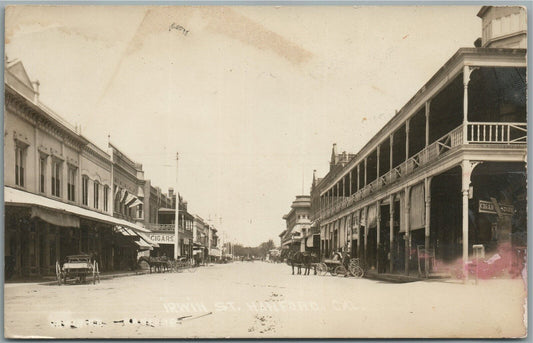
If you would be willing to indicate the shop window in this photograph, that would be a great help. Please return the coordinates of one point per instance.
(71, 184)
(85, 190)
(56, 178)
(20, 165)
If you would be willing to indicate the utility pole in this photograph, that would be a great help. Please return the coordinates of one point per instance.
(177, 215)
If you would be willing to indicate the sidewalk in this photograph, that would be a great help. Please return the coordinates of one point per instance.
(402, 278)
(50, 280)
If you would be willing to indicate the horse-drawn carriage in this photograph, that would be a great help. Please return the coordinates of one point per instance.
(164, 264)
(341, 265)
(77, 268)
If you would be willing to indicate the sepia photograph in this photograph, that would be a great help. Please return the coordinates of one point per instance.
(297, 171)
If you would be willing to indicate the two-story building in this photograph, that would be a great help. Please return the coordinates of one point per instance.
(163, 232)
(57, 194)
(298, 223)
(448, 171)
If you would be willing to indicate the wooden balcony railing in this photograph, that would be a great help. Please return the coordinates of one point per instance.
(507, 133)
(164, 227)
(476, 133)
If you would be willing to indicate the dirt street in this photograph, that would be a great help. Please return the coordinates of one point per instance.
(263, 300)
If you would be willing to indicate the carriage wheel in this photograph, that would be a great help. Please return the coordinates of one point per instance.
(322, 269)
(58, 273)
(357, 271)
(341, 271)
(333, 270)
(192, 267)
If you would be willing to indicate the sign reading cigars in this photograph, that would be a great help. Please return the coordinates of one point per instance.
(162, 238)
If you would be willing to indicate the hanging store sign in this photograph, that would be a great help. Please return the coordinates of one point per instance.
(162, 238)
(493, 207)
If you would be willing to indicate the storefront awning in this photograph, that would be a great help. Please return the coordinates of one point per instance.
(148, 240)
(125, 231)
(55, 218)
(143, 245)
(17, 197)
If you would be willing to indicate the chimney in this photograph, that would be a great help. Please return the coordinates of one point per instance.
(333, 160)
(170, 192)
(36, 85)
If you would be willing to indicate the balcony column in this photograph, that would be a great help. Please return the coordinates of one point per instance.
(377, 162)
(407, 139)
(365, 180)
(407, 244)
(390, 151)
(467, 70)
(365, 234)
(351, 183)
(358, 214)
(358, 178)
(467, 168)
(427, 185)
(378, 229)
(428, 105)
(391, 230)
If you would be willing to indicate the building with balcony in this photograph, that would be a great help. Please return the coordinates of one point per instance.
(298, 224)
(163, 231)
(447, 172)
(57, 194)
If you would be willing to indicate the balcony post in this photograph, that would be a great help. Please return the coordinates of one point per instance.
(378, 229)
(358, 178)
(467, 168)
(351, 183)
(407, 244)
(427, 184)
(377, 162)
(407, 139)
(467, 70)
(390, 150)
(358, 214)
(365, 234)
(428, 105)
(391, 230)
(365, 181)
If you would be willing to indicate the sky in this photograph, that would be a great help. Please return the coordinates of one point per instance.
(251, 97)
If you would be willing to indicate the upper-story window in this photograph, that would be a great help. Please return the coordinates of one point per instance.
(20, 166)
(96, 194)
(85, 190)
(140, 211)
(71, 184)
(106, 198)
(42, 174)
(116, 199)
(56, 178)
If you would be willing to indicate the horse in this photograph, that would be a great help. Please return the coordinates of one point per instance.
(308, 260)
(302, 259)
(294, 259)
(160, 264)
